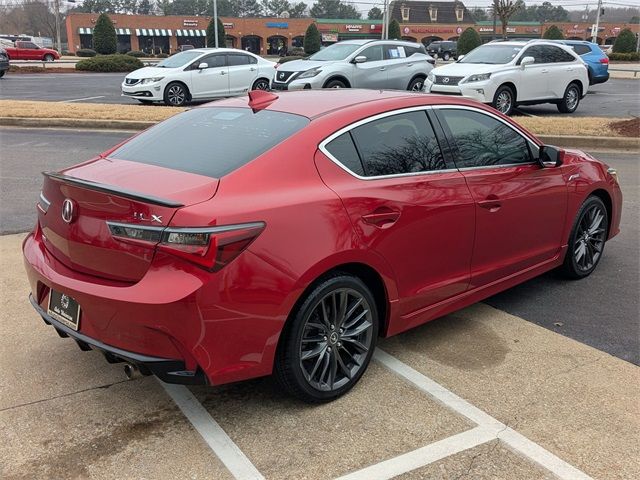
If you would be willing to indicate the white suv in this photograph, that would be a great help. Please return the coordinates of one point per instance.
(507, 74)
(199, 74)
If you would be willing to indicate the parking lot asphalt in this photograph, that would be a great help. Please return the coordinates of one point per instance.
(578, 309)
(615, 98)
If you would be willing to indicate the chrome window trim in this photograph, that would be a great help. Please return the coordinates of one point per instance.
(492, 115)
(323, 145)
(135, 225)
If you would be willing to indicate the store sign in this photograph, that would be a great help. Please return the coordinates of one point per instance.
(486, 29)
(189, 23)
(353, 28)
(277, 25)
(459, 30)
(405, 30)
(329, 37)
(532, 30)
(376, 28)
(227, 25)
(431, 30)
(511, 29)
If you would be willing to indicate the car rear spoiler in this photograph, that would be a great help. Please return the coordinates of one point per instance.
(121, 192)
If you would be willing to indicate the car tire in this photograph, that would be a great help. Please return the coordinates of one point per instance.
(48, 58)
(2, 73)
(586, 242)
(446, 56)
(176, 94)
(261, 84)
(570, 99)
(337, 323)
(504, 100)
(335, 83)
(416, 85)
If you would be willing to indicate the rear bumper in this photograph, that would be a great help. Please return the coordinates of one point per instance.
(167, 370)
(596, 79)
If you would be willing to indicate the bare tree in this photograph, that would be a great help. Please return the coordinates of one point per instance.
(504, 10)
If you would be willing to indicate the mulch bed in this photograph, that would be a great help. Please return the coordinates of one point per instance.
(627, 128)
(15, 69)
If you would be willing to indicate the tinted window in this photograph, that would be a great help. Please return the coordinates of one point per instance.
(537, 53)
(493, 54)
(581, 49)
(372, 53)
(343, 150)
(214, 61)
(238, 60)
(179, 59)
(211, 141)
(484, 141)
(403, 143)
(557, 54)
(411, 50)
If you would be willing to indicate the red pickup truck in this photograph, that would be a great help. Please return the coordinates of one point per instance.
(31, 51)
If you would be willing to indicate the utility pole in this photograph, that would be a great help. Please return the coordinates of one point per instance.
(385, 20)
(596, 26)
(215, 20)
(57, 14)
(495, 19)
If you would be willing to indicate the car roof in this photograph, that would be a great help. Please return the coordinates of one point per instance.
(210, 50)
(316, 103)
(355, 42)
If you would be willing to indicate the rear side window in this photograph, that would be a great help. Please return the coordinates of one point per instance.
(558, 55)
(394, 145)
(483, 141)
(373, 54)
(581, 49)
(343, 150)
(211, 141)
(238, 60)
(412, 50)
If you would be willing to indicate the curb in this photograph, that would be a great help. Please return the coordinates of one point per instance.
(567, 141)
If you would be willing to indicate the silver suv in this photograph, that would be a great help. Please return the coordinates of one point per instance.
(387, 64)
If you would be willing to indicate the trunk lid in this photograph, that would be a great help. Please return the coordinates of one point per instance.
(120, 191)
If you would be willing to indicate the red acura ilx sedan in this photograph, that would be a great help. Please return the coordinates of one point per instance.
(284, 234)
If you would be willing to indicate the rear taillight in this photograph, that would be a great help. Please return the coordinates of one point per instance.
(209, 247)
(605, 60)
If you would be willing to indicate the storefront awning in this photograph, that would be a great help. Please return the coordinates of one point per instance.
(84, 31)
(191, 33)
(123, 31)
(153, 32)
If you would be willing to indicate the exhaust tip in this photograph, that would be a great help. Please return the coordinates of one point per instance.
(131, 371)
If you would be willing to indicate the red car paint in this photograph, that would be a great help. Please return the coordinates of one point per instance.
(448, 248)
(31, 51)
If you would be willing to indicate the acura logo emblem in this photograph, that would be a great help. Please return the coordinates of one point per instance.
(67, 210)
(445, 80)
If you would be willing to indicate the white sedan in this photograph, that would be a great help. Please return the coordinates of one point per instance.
(199, 74)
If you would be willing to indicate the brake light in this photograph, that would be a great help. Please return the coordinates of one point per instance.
(209, 247)
(605, 60)
(212, 248)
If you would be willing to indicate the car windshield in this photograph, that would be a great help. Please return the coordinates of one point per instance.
(211, 141)
(492, 54)
(337, 51)
(179, 59)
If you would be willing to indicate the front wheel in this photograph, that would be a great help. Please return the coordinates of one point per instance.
(335, 84)
(48, 58)
(416, 85)
(175, 95)
(570, 100)
(260, 84)
(446, 56)
(587, 239)
(2, 73)
(504, 100)
(329, 341)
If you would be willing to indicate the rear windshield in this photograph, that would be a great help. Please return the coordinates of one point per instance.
(210, 141)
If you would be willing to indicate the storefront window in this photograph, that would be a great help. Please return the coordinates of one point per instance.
(124, 43)
(86, 41)
(154, 45)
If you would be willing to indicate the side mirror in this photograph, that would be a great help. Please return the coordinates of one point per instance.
(360, 59)
(203, 65)
(460, 57)
(550, 156)
(527, 61)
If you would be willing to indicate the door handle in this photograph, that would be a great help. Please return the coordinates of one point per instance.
(383, 68)
(223, 72)
(382, 217)
(544, 70)
(492, 203)
(409, 64)
(252, 69)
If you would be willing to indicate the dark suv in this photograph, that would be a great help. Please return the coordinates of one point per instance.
(444, 50)
(4, 61)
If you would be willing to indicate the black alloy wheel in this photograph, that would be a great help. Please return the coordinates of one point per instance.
(328, 344)
(261, 84)
(588, 236)
(335, 84)
(416, 85)
(175, 95)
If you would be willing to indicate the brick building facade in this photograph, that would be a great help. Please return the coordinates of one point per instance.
(266, 36)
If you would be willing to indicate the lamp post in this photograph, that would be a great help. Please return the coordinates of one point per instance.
(215, 21)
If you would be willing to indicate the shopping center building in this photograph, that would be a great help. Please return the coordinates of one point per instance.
(419, 21)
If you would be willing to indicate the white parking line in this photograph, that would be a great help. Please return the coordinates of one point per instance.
(225, 449)
(81, 99)
(486, 423)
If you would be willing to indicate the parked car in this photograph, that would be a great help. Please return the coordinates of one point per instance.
(508, 74)
(184, 48)
(608, 49)
(4, 62)
(199, 74)
(443, 49)
(286, 234)
(31, 51)
(594, 57)
(358, 64)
